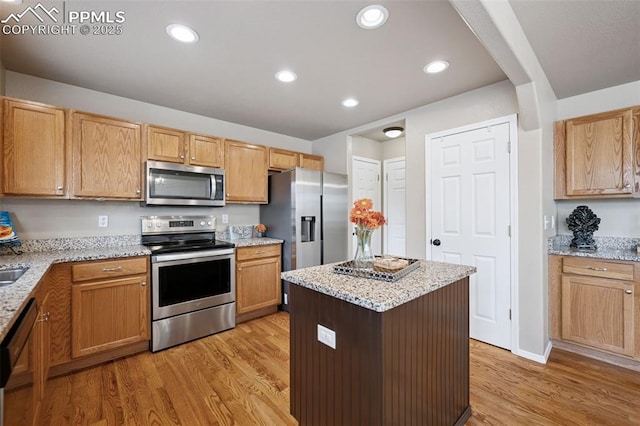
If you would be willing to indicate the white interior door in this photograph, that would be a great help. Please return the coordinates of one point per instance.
(470, 220)
(395, 207)
(366, 184)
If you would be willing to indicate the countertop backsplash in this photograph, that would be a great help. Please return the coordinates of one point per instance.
(608, 243)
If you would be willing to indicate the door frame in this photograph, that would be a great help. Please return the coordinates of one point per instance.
(385, 203)
(513, 197)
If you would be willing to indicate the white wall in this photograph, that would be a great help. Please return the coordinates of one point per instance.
(77, 218)
(393, 148)
(365, 147)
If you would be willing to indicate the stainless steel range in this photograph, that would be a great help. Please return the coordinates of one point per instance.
(192, 279)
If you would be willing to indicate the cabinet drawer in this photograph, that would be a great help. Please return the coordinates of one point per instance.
(597, 268)
(108, 269)
(256, 252)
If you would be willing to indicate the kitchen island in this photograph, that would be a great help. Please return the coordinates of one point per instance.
(400, 350)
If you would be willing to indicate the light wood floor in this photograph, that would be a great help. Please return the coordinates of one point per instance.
(241, 377)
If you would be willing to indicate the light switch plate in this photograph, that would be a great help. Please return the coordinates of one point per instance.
(103, 221)
(327, 336)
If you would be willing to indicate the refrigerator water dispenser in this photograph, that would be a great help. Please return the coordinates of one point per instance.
(308, 229)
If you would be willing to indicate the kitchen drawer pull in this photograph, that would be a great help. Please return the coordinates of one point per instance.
(628, 291)
(116, 269)
(593, 268)
(259, 252)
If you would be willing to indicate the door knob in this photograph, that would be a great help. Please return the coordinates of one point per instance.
(435, 242)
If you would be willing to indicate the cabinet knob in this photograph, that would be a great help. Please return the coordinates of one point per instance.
(137, 191)
(239, 269)
(182, 157)
(193, 158)
(143, 283)
(628, 291)
(59, 188)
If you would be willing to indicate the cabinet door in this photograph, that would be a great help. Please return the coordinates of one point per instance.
(206, 151)
(598, 312)
(246, 172)
(599, 156)
(309, 161)
(33, 149)
(166, 144)
(107, 157)
(108, 314)
(281, 159)
(257, 284)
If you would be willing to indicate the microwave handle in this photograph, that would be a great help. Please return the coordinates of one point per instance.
(213, 186)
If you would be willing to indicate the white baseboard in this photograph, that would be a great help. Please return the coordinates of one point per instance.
(542, 359)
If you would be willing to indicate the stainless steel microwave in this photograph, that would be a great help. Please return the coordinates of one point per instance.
(171, 184)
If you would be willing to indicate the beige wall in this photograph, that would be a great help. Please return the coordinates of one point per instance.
(76, 218)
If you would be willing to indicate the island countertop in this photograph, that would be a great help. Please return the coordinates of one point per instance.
(376, 295)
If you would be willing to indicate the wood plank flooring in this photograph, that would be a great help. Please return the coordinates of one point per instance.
(241, 377)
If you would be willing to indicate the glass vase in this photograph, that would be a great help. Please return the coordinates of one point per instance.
(363, 258)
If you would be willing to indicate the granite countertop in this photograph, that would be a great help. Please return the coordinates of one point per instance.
(249, 242)
(14, 296)
(610, 248)
(378, 295)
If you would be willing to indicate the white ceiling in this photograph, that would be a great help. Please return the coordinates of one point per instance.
(229, 73)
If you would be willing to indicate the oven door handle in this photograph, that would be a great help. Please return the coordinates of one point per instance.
(167, 257)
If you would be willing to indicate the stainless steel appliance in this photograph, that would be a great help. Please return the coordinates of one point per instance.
(18, 400)
(183, 185)
(192, 279)
(309, 210)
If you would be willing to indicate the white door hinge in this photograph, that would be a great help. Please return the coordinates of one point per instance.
(509, 147)
(509, 230)
(509, 313)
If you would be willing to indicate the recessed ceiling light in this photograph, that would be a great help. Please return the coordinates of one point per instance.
(372, 16)
(436, 66)
(350, 102)
(286, 76)
(182, 33)
(393, 132)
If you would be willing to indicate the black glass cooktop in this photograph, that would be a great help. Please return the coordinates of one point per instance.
(184, 242)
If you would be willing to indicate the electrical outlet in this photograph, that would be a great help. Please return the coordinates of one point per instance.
(327, 336)
(553, 222)
(225, 218)
(103, 221)
(286, 299)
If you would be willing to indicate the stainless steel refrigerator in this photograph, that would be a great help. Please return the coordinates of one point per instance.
(309, 210)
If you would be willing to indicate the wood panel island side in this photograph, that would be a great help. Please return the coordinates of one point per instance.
(401, 353)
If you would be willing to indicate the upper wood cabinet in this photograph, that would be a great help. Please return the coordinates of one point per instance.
(309, 161)
(281, 159)
(594, 155)
(165, 144)
(34, 149)
(176, 146)
(246, 169)
(107, 157)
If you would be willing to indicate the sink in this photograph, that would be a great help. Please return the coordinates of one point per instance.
(9, 276)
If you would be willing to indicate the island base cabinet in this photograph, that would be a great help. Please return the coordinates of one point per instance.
(406, 366)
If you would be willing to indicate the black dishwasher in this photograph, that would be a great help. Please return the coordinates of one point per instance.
(11, 348)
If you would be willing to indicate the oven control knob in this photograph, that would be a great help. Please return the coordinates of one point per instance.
(209, 223)
(149, 224)
(202, 223)
(158, 225)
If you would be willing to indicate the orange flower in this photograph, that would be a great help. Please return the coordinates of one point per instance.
(362, 215)
(261, 228)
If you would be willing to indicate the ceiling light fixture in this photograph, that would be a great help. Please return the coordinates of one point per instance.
(286, 76)
(393, 132)
(350, 102)
(182, 33)
(436, 67)
(372, 17)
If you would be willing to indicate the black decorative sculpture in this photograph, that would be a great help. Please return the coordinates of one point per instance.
(583, 222)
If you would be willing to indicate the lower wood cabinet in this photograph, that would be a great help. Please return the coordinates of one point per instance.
(107, 314)
(258, 284)
(594, 303)
(99, 311)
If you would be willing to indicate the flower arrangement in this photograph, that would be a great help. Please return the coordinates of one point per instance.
(261, 228)
(363, 215)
